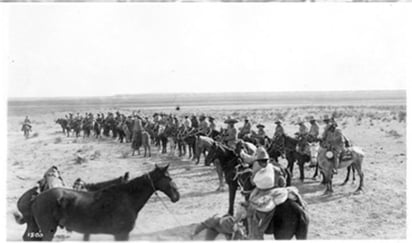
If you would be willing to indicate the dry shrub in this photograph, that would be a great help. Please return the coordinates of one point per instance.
(58, 140)
(402, 116)
(124, 154)
(394, 133)
(95, 155)
(80, 159)
(36, 134)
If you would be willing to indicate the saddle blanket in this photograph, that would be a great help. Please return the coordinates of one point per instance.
(266, 200)
(347, 155)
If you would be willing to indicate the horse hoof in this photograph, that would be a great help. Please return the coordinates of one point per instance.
(358, 191)
(327, 192)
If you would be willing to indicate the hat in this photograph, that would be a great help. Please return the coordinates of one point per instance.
(246, 118)
(326, 118)
(260, 125)
(312, 119)
(278, 122)
(261, 154)
(211, 118)
(231, 121)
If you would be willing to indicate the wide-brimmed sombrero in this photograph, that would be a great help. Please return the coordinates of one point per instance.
(231, 121)
(260, 125)
(278, 122)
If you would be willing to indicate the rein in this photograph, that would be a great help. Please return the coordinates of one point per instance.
(161, 200)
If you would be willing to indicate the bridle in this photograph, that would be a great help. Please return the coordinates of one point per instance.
(160, 199)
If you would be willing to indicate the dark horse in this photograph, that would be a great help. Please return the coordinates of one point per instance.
(291, 154)
(229, 160)
(112, 210)
(80, 185)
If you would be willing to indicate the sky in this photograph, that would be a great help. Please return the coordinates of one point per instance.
(59, 50)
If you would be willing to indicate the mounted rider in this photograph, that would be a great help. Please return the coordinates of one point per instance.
(279, 137)
(333, 139)
(313, 130)
(203, 126)
(266, 177)
(230, 136)
(261, 134)
(246, 129)
(212, 127)
(301, 135)
(27, 123)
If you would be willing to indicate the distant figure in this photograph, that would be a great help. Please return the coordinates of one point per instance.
(26, 127)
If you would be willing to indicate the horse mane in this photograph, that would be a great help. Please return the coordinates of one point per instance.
(104, 184)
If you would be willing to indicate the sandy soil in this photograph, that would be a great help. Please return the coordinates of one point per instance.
(378, 213)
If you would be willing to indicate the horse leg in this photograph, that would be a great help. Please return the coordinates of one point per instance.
(316, 172)
(86, 237)
(219, 175)
(232, 195)
(302, 172)
(121, 237)
(358, 167)
(353, 175)
(347, 176)
(150, 153)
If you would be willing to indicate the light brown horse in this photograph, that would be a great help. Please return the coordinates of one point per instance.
(326, 166)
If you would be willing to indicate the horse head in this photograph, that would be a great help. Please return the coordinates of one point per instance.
(212, 154)
(161, 180)
(314, 150)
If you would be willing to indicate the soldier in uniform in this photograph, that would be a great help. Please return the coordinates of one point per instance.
(261, 134)
(246, 129)
(195, 121)
(313, 130)
(203, 125)
(230, 137)
(278, 137)
(265, 176)
(334, 139)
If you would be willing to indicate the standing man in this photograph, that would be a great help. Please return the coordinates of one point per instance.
(334, 139)
(137, 133)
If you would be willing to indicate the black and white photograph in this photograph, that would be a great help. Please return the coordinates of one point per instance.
(204, 121)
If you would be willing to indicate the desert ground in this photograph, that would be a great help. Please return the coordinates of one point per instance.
(379, 212)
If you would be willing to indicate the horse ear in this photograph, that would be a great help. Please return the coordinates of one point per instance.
(166, 167)
(126, 176)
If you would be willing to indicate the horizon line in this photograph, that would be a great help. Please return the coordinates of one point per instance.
(199, 93)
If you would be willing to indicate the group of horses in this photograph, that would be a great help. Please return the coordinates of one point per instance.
(109, 207)
(167, 137)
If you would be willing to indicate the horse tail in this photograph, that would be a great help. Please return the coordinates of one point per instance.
(19, 218)
(302, 227)
(358, 150)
